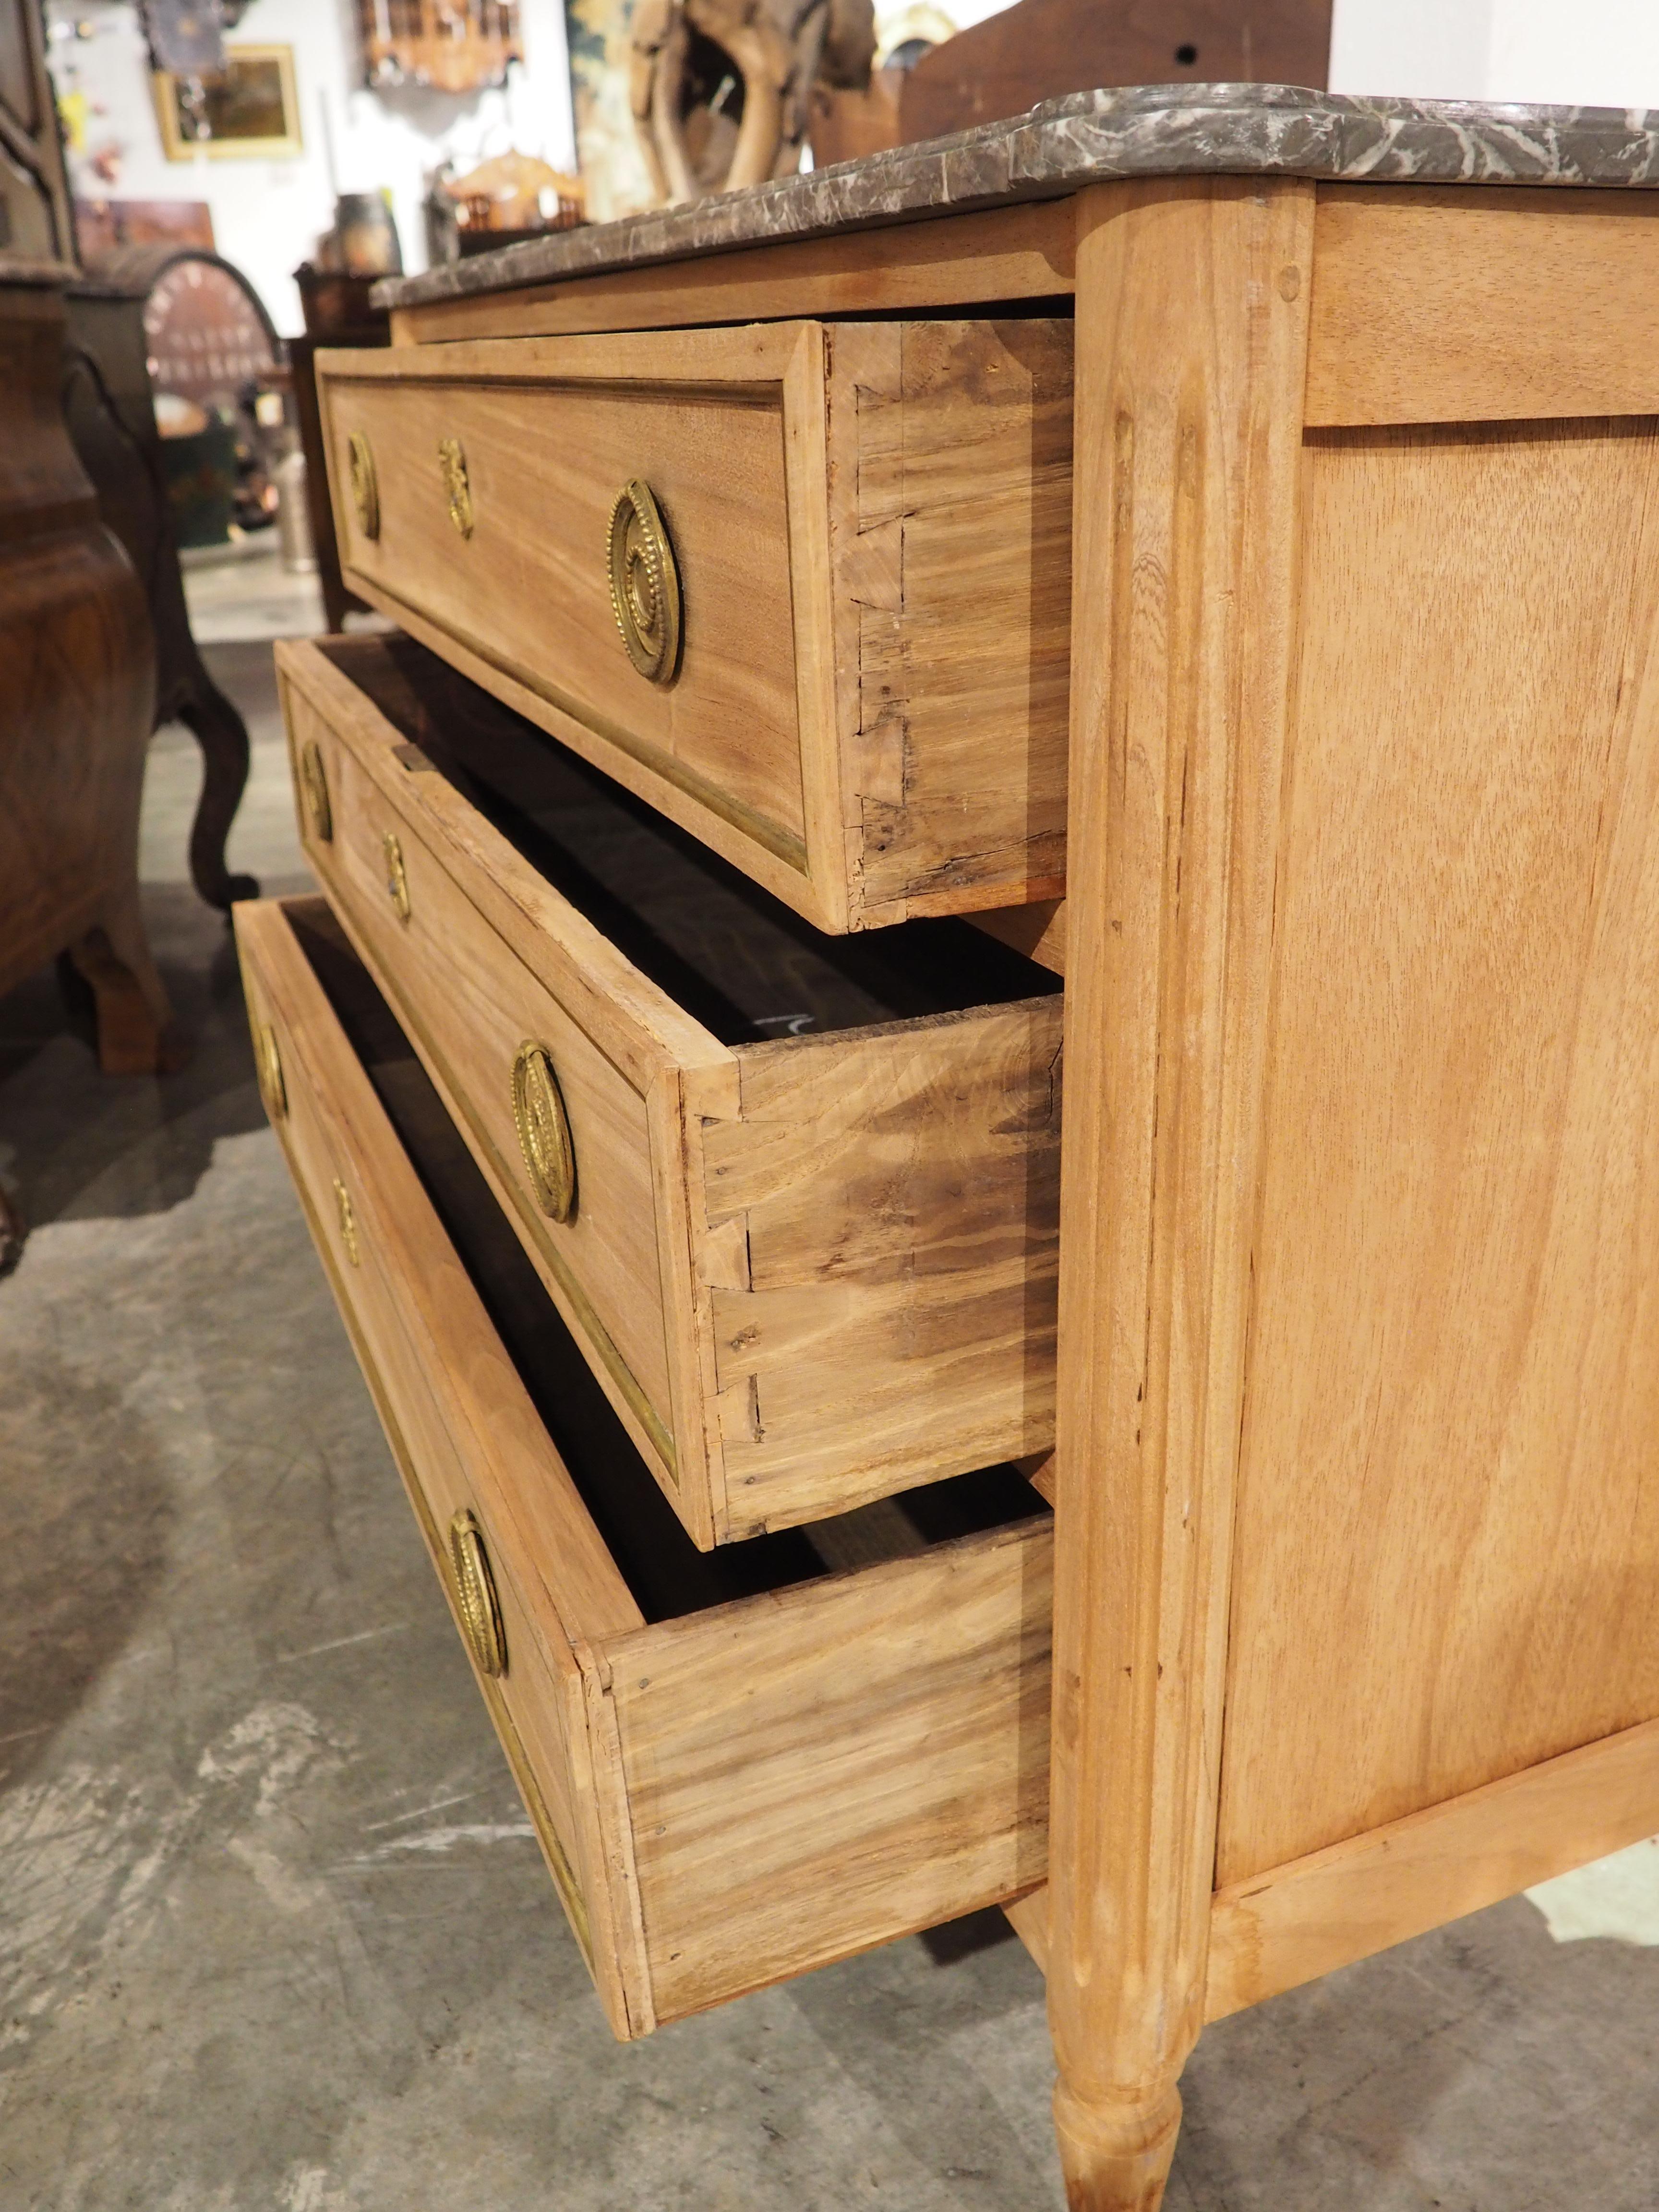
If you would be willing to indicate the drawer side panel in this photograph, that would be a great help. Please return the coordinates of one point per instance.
(951, 520)
(898, 1192)
(814, 1772)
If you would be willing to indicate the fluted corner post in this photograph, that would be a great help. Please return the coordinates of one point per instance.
(1191, 348)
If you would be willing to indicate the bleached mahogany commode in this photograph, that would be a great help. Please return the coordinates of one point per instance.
(753, 507)
(796, 1197)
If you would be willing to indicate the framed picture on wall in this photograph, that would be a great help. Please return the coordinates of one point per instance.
(251, 110)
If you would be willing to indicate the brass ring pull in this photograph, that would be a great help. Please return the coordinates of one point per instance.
(457, 490)
(313, 789)
(268, 1067)
(365, 490)
(539, 1115)
(645, 584)
(475, 1596)
(343, 1206)
(397, 877)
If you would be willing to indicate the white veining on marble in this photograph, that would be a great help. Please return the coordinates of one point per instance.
(1092, 137)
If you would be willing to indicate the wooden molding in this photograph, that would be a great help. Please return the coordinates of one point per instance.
(1019, 253)
(1278, 1930)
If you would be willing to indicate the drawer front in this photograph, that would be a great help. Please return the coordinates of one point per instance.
(376, 1235)
(810, 1270)
(472, 1006)
(866, 705)
(527, 585)
(728, 1797)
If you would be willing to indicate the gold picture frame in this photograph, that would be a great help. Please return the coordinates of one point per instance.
(250, 113)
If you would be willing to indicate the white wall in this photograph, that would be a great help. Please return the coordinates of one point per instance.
(1598, 53)
(267, 215)
(1421, 49)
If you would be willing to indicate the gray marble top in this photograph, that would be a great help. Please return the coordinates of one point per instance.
(1088, 137)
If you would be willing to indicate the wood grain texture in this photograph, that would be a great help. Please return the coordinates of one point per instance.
(467, 1004)
(552, 432)
(688, 808)
(69, 825)
(810, 1271)
(872, 527)
(77, 666)
(1433, 304)
(1027, 1916)
(1448, 1527)
(735, 1796)
(897, 1191)
(955, 261)
(1192, 333)
(836, 1765)
(456, 1413)
(1037, 930)
(1277, 1930)
(951, 517)
(810, 470)
(635, 1024)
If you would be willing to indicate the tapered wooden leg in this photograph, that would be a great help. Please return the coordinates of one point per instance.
(1191, 358)
(1116, 2157)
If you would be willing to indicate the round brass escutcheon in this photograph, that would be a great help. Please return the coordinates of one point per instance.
(457, 490)
(539, 1115)
(645, 584)
(343, 1206)
(314, 788)
(397, 878)
(365, 490)
(268, 1066)
(475, 1595)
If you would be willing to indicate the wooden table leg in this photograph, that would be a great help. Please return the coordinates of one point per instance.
(223, 735)
(1192, 302)
(137, 1031)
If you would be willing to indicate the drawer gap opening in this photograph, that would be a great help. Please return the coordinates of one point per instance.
(669, 1577)
(731, 955)
(1043, 307)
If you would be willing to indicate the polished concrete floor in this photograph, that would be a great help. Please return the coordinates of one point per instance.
(274, 1932)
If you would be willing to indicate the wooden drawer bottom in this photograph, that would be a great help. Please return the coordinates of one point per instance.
(742, 1765)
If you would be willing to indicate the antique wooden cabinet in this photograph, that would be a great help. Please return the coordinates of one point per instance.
(77, 665)
(1294, 454)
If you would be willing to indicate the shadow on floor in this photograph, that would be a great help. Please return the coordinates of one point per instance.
(75, 1143)
(89, 1513)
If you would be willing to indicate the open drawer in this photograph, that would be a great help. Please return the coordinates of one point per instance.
(804, 586)
(797, 1197)
(741, 1765)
